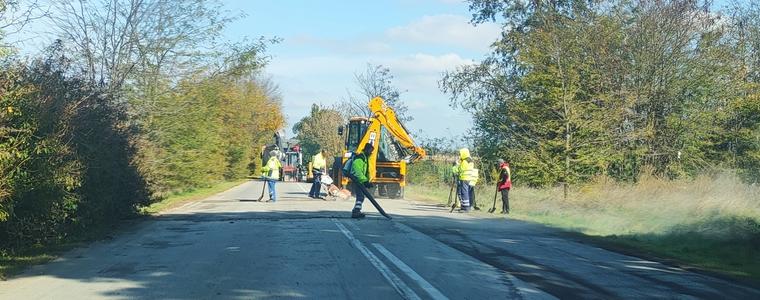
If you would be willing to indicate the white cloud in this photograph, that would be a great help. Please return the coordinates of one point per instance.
(416, 67)
(421, 72)
(358, 45)
(307, 66)
(426, 63)
(450, 30)
(333, 74)
(325, 79)
(321, 68)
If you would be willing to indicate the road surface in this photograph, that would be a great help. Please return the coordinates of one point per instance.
(230, 247)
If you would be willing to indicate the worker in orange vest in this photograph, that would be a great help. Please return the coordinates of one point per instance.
(504, 185)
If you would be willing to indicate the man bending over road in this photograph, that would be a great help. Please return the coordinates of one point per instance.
(318, 165)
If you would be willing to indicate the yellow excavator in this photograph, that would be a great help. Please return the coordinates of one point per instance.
(391, 141)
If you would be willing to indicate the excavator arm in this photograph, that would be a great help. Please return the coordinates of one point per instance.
(384, 116)
(387, 117)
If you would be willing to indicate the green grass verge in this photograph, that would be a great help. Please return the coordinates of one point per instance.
(11, 264)
(176, 200)
(14, 262)
(711, 225)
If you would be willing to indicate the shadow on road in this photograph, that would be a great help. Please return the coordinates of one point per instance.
(193, 244)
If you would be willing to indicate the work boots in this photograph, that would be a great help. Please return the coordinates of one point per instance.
(357, 214)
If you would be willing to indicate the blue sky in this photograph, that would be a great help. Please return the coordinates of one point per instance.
(326, 42)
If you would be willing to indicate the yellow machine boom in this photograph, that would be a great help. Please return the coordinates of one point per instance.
(383, 116)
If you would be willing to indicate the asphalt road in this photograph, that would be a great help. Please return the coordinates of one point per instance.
(230, 247)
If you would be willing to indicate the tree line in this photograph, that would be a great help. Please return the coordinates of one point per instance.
(578, 89)
(133, 101)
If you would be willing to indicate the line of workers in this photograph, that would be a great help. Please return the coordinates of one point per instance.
(464, 174)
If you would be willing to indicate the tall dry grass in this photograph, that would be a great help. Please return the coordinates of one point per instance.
(712, 221)
(717, 206)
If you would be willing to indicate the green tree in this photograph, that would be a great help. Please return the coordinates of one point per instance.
(205, 131)
(576, 89)
(64, 153)
(319, 130)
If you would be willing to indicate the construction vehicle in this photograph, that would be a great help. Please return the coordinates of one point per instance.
(274, 147)
(391, 140)
(292, 164)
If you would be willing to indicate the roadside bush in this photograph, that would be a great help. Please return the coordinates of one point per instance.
(65, 155)
(203, 131)
(429, 172)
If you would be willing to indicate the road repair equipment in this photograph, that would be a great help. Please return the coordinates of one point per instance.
(327, 180)
(372, 199)
(395, 149)
(492, 209)
(338, 193)
(332, 190)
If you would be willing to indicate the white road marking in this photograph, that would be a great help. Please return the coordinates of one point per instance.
(526, 290)
(401, 287)
(301, 187)
(353, 226)
(429, 288)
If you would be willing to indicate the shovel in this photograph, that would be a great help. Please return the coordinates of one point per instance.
(264, 187)
(494, 201)
(454, 204)
(450, 191)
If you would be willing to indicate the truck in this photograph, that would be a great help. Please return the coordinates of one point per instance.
(395, 149)
(292, 166)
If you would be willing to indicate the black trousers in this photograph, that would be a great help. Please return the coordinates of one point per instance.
(316, 185)
(505, 201)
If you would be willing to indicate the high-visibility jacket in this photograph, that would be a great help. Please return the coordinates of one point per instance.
(272, 168)
(465, 165)
(505, 177)
(472, 175)
(318, 162)
(360, 168)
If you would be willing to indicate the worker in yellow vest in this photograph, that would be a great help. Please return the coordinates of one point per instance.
(318, 167)
(464, 173)
(473, 175)
(271, 173)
